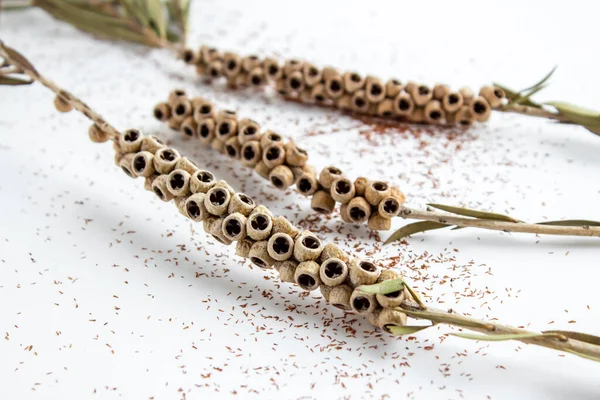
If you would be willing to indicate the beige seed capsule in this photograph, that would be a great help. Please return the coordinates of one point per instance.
(307, 247)
(260, 256)
(218, 145)
(360, 185)
(342, 190)
(204, 111)
(262, 209)
(480, 108)
(180, 204)
(98, 135)
(251, 153)
(311, 74)
(295, 156)
(359, 210)
(282, 225)
(464, 116)
(148, 182)
(390, 317)
(233, 148)
(208, 54)
(286, 270)
(202, 181)
(187, 165)
(328, 175)
(344, 102)
(241, 203)
(404, 104)
(333, 272)
(234, 227)
(377, 191)
(242, 248)
(363, 303)
(418, 115)
(281, 177)
(295, 82)
(393, 299)
(322, 202)
(281, 87)
(378, 222)
(397, 193)
(152, 144)
(292, 65)
(385, 109)
(493, 95)
(194, 207)
(165, 160)
(174, 124)
(181, 108)
(179, 183)
(130, 141)
(307, 275)
(232, 64)
(262, 169)
(363, 272)
(420, 94)
(433, 112)
(248, 130)
(162, 111)
(259, 225)
(353, 82)
(344, 214)
(62, 105)
(206, 131)
(272, 69)
(325, 291)
(340, 297)
(125, 164)
(250, 62)
(216, 231)
(190, 56)
(307, 183)
(223, 184)
(334, 86)
(452, 102)
(176, 95)
(159, 187)
(318, 94)
(217, 200)
(189, 127)
(280, 246)
(389, 207)
(393, 87)
(215, 69)
(467, 95)
(331, 250)
(440, 91)
(257, 77)
(226, 127)
(359, 102)
(375, 90)
(273, 155)
(142, 164)
(270, 138)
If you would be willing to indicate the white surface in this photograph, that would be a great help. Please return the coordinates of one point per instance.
(106, 292)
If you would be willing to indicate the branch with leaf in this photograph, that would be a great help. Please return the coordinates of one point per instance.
(577, 343)
(459, 217)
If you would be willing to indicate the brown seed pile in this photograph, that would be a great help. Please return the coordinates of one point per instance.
(281, 161)
(266, 240)
(348, 90)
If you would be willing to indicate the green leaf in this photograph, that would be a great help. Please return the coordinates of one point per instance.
(570, 222)
(13, 81)
(499, 338)
(416, 227)
(582, 337)
(540, 83)
(385, 287)
(179, 11)
(473, 213)
(405, 330)
(585, 117)
(525, 99)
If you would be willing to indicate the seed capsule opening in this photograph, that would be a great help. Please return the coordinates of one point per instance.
(231, 150)
(260, 223)
(168, 155)
(193, 209)
(281, 245)
(367, 266)
(361, 304)
(206, 176)
(393, 294)
(342, 187)
(273, 153)
(158, 114)
(306, 281)
(273, 70)
(479, 107)
(390, 206)
(258, 262)
(304, 185)
(277, 182)
(127, 171)
(180, 109)
(403, 104)
(250, 130)
(335, 86)
(177, 181)
(423, 90)
(131, 136)
(159, 193)
(376, 90)
(357, 213)
(246, 199)
(233, 227)
(311, 242)
(359, 102)
(139, 164)
(295, 83)
(380, 186)
(334, 269)
(435, 115)
(218, 197)
(453, 99)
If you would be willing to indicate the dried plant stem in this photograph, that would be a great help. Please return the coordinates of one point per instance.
(447, 219)
(23, 65)
(556, 341)
(533, 112)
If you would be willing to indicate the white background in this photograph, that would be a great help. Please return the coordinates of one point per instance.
(106, 292)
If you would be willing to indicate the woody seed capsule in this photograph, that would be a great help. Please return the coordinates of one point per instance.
(378, 222)
(208, 54)
(260, 256)
(130, 141)
(179, 183)
(190, 57)
(393, 87)
(282, 225)
(363, 303)
(493, 95)
(433, 112)
(181, 108)
(389, 207)
(318, 94)
(452, 102)
(464, 116)
(353, 82)
(286, 270)
(159, 187)
(393, 299)
(295, 156)
(215, 69)
(342, 190)
(340, 297)
(232, 64)
(259, 225)
(216, 200)
(204, 111)
(194, 207)
(377, 191)
(331, 250)
(223, 184)
(404, 104)
(242, 248)
(325, 291)
(333, 272)
(328, 175)
(281, 86)
(62, 105)
(307, 247)
(390, 317)
(344, 213)
(216, 230)
(467, 95)
(360, 185)
(307, 184)
(440, 91)
(262, 169)
(189, 127)
(397, 193)
(272, 69)
(206, 131)
(187, 165)
(202, 181)
(363, 272)
(322, 202)
(165, 160)
(480, 108)
(125, 164)
(307, 275)
(241, 203)
(233, 147)
(97, 135)
(385, 109)
(421, 94)
(174, 124)
(251, 153)
(175, 95)
(250, 62)
(152, 144)
(280, 246)
(281, 176)
(359, 101)
(162, 112)
(257, 76)
(334, 86)
(148, 181)
(218, 145)
(142, 164)
(274, 155)
(312, 75)
(248, 130)
(344, 102)
(359, 210)
(270, 138)
(295, 82)
(375, 90)
(234, 227)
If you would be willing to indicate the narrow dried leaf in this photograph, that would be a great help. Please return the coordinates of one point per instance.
(499, 338)
(385, 287)
(18, 58)
(525, 99)
(571, 222)
(473, 213)
(416, 227)
(582, 337)
(540, 83)
(585, 117)
(450, 319)
(405, 330)
(13, 81)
